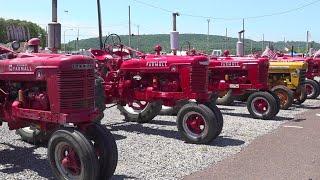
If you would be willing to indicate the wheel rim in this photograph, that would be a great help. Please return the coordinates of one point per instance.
(67, 161)
(260, 106)
(310, 90)
(195, 125)
(136, 107)
(283, 98)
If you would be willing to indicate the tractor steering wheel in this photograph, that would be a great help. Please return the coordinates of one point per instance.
(186, 43)
(112, 41)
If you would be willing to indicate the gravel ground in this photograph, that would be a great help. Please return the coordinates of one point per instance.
(150, 151)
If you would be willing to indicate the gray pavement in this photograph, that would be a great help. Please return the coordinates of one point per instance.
(291, 152)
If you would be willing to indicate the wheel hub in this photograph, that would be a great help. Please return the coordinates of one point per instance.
(309, 89)
(261, 105)
(195, 123)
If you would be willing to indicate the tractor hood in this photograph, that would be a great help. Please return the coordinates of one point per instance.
(237, 62)
(288, 65)
(163, 63)
(28, 66)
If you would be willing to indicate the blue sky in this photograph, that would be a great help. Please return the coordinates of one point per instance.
(83, 14)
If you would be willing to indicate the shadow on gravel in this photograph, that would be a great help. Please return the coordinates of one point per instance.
(298, 120)
(17, 159)
(121, 177)
(225, 141)
(221, 141)
(163, 123)
(307, 107)
(278, 118)
(140, 129)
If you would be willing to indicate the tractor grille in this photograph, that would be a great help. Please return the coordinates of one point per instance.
(263, 73)
(199, 79)
(76, 89)
(302, 76)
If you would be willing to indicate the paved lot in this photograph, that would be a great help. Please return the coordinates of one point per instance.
(151, 151)
(291, 152)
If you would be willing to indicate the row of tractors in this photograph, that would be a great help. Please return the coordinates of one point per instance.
(59, 99)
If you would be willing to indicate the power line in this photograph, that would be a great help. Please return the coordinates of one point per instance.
(231, 19)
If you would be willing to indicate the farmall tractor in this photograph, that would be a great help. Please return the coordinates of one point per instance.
(235, 77)
(54, 94)
(287, 79)
(244, 76)
(140, 84)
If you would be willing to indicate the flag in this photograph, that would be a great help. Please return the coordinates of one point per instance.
(269, 53)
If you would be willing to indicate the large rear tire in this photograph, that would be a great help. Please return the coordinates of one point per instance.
(71, 156)
(197, 123)
(32, 135)
(262, 105)
(173, 111)
(226, 100)
(285, 95)
(141, 112)
(313, 89)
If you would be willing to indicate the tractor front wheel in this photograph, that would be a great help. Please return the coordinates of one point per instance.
(71, 156)
(106, 149)
(285, 95)
(198, 124)
(140, 111)
(313, 89)
(262, 105)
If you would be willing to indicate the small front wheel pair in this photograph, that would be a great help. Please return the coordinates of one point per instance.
(199, 123)
(263, 105)
(73, 155)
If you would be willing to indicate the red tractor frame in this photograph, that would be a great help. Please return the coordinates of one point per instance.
(55, 96)
(141, 83)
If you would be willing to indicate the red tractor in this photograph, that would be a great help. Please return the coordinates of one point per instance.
(244, 77)
(55, 95)
(140, 84)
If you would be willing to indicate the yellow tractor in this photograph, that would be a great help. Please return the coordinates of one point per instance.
(287, 81)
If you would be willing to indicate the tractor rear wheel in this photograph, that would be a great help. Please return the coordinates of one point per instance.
(262, 105)
(140, 111)
(173, 111)
(33, 135)
(71, 156)
(285, 95)
(106, 149)
(313, 89)
(226, 100)
(197, 123)
(301, 95)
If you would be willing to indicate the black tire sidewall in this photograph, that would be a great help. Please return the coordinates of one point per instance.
(272, 103)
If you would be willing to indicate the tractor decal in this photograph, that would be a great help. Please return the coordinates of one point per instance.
(157, 64)
(19, 68)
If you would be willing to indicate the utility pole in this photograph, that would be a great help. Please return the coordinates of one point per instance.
(243, 38)
(100, 24)
(226, 39)
(129, 26)
(77, 41)
(208, 37)
(262, 48)
(138, 27)
(308, 47)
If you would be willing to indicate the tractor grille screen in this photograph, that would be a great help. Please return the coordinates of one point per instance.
(199, 79)
(76, 89)
(302, 76)
(263, 73)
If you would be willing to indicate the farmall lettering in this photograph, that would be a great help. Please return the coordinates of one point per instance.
(157, 64)
(230, 64)
(19, 68)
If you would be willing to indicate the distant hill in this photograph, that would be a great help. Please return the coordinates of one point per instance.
(198, 41)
